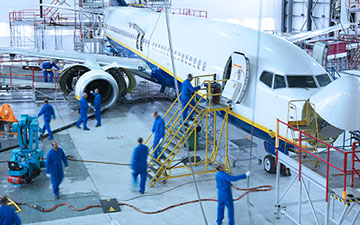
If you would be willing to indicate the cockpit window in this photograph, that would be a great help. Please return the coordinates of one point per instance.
(279, 81)
(323, 80)
(266, 78)
(301, 81)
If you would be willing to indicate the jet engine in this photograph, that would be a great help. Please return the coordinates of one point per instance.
(112, 82)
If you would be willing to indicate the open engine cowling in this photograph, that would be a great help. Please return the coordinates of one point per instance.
(93, 79)
(111, 81)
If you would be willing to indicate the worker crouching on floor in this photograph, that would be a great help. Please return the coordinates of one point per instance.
(48, 111)
(159, 132)
(225, 198)
(7, 214)
(139, 164)
(54, 167)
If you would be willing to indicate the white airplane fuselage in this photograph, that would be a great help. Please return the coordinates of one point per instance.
(214, 42)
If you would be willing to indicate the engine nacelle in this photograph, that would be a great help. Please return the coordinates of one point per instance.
(112, 82)
(98, 78)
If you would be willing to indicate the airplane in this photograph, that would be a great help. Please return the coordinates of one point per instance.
(269, 75)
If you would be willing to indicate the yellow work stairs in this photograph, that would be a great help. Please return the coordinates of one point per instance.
(169, 165)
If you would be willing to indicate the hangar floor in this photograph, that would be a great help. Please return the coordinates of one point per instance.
(87, 183)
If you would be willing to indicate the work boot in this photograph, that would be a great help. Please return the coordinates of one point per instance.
(86, 129)
(41, 137)
(57, 197)
(97, 125)
(78, 127)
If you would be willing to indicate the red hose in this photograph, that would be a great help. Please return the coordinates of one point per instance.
(71, 207)
(254, 189)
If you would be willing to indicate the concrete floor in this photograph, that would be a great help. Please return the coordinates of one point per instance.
(87, 183)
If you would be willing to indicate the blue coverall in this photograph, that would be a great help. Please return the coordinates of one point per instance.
(159, 132)
(8, 216)
(47, 110)
(46, 66)
(139, 165)
(54, 167)
(83, 113)
(187, 91)
(97, 106)
(225, 197)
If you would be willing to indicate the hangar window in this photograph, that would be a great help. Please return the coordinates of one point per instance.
(301, 81)
(199, 64)
(204, 66)
(323, 80)
(266, 78)
(279, 81)
(195, 61)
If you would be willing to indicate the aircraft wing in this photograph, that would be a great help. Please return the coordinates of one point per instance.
(93, 60)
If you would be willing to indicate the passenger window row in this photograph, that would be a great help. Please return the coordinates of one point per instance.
(182, 57)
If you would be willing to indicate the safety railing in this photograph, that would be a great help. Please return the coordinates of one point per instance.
(30, 78)
(344, 169)
(355, 3)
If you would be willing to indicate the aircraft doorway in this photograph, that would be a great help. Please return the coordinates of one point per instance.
(237, 71)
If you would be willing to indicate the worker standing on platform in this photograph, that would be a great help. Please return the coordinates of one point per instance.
(159, 132)
(48, 111)
(8, 215)
(47, 69)
(225, 198)
(139, 164)
(97, 106)
(187, 91)
(84, 106)
(54, 167)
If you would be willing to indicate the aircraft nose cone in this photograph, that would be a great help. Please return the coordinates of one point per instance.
(338, 103)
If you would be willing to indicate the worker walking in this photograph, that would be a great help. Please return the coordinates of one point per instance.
(159, 132)
(84, 106)
(54, 167)
(139, 164)
(187, 91)
(48, 111)
(225, 198)
(97, 106)
(8, 215)
(47, 69)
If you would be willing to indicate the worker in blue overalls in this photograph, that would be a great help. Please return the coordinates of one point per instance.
(47, 69)
(225, 198)
(54, 167)
(48, 111)
(159, 132)
(97, 106)
(8, 215)
(139, 164)
(84, 106)
(187, 91)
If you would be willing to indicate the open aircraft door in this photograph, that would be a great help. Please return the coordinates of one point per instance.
(238, 80)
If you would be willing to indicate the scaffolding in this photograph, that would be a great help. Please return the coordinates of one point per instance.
(330, 183)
